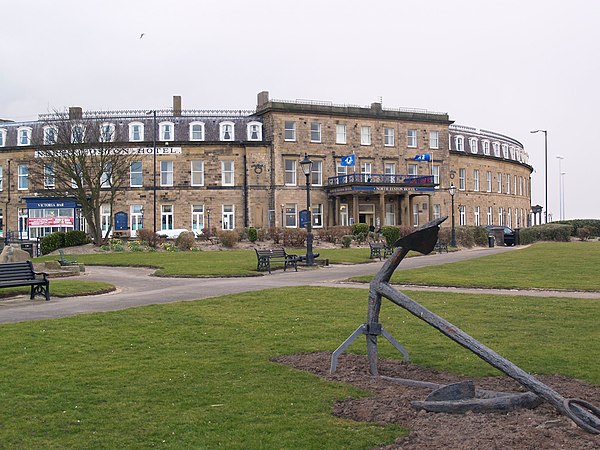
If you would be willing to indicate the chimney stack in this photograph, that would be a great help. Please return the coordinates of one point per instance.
(177, 105)
(262, 99)
(75, 113)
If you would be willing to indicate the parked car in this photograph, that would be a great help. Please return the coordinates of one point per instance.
(509, 233)
(171, 234)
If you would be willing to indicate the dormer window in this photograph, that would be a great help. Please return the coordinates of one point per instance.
(2, 137)
(107, 132)
(255, 131)
(459, 143)
(486, 147)
(136, 131)
(50, 135)
(496, 147)
(473, 145)
(196, 131)
(77, 134)
(505, 151)
(167, 131)
(226, 131)
(24, 136)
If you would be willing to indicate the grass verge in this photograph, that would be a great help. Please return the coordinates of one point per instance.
(198, 375)
(64, 288)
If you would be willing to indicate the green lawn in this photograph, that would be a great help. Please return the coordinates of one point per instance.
(64, 288)
(557, 265)
(209, 263)
(198, 375)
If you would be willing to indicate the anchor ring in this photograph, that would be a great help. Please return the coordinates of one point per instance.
(584, 414)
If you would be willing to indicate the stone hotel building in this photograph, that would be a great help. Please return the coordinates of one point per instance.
(235, 169)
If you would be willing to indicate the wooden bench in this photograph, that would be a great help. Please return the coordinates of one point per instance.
(22, 274)
(441, 246)
(380, 250)
(64, 261)
(265, 257)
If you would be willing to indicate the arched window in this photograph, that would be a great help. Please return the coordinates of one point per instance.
(473, 145)
(226, 131)
(196, 131)
(496, 147)
(2, 137)
(486, 147)
(77, 134)
(167, 131)
(255, 131)
(136, 131)
(24, 136)
(107, 132)
(459, 143)
(50, 135)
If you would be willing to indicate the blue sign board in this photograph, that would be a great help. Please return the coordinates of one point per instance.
(303, 218)
(121, 221)
(41, 203)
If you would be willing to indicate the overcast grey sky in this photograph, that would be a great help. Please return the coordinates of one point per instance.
(506, 66)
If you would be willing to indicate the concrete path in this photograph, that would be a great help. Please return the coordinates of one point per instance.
(136, 286)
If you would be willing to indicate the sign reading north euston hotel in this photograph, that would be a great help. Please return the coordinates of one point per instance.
(127, 151)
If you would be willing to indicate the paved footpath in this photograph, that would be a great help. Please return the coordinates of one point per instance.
(136, 286)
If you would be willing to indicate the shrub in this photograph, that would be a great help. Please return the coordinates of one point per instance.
(275, 234)
(584, 233)
(229, 238)
(262, 234)
(135, 246)
(294, 237)
(360, 231)
(347, 240)
(335, 234)
(252, 234)
(185, 241)
(76, 237)
(148, 237)
(594, 224)
(52, 242)
(390, 234)
(548, 232)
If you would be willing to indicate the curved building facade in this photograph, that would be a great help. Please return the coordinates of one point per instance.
(196, 169)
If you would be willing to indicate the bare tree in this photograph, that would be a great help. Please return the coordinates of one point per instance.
(82, 158)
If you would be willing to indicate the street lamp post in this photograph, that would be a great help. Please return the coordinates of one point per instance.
(208, 220)
(562, 194)
(560, 187)
(282, 206)
(545, 167)
(307, 164)
(452, 191)
(153, 165)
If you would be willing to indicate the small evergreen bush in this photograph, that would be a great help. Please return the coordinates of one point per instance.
(252, 234)
(347, 240)
(390, 234)
(228, 238)
(185, 241)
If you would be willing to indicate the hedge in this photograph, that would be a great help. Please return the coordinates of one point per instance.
(62, 239)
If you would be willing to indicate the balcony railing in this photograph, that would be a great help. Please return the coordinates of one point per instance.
(374, 178)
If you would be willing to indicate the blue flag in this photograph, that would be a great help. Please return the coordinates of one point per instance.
(349, 160)
(423, 157)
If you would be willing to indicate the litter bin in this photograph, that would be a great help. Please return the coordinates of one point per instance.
(517, 237)
(28, 247)
(491, 241)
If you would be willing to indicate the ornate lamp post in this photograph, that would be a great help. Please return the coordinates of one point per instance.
(545, 168)
(208, 219)
(153, 164)
(282, 222)
(452, 191)
(306, 165)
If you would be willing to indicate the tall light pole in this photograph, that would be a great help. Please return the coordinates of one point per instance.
(452, 191)
(545, 167)
(560, 191)
(307, 164)
(153, 165)
(562, 180)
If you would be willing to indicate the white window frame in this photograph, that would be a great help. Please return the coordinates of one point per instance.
(50, 140)
(1, 178)
(251, 128)
(488, 180)
(459, 143)
(194, 132)
(105, 219)
(500, 216)
(437, 211)
(317, 215)
(473, 145)
(389, 168)
(490, 216)
(166, 172)
(316, 173)
(315, 132)
(476, 180)
(226, 131)
(462, 179)
(340, 170)
(228, 217)
(133, 175)
(435, 171)
(132, 127)
(289, 131)
(485, 144)
(24, 136)
(366, 168)
(167, 217)
(413, 169)
(496, 148)
(462, 215)
(390, 214)
(136, 218)
(197, 218)
(227, 173)
(49, 176)
(196, 173)
(291, 215)
(389, 137)
(23, 177)
(107, 132)
(340, 134)
(3, 133)
(499, 181)
(106, 177)
(476, 215)
(166, 131)
(365, 135)
(508, 183)
(434, 139)
(505, 151)
(77, 133)
(411, 138)
(290, 172)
